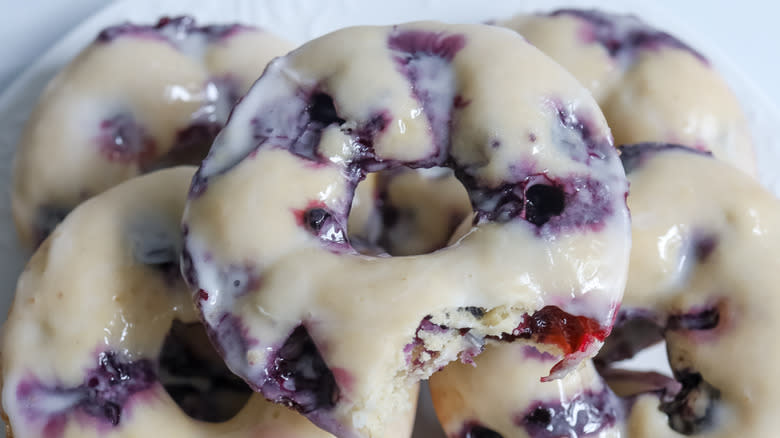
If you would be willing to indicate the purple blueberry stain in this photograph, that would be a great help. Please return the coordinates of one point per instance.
(121, 139)
(622, 36)
(692, 411)
(297, 376)
(424, 58)
(635, 156)
(104, 395)
(172, 29)
(704, 319)
(574, 133)
(585, 414)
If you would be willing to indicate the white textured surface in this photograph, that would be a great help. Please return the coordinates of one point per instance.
(300, 20)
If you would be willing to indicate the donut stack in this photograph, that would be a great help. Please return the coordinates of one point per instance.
(383, 206)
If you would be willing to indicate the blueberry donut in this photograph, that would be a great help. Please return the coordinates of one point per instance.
(341, 336)
(702, 277)
(103, 339)
(651, 86)
(136, 99)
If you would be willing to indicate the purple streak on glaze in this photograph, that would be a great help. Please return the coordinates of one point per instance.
(294, 123)
(106, 391)
(695, 320)
(585, 414)
(585, 145)
(685, 410)
(624, 35)
(550, 204)
(532, 353)
(424, 58)
(634, 156)
(231, 339)
(297, 376)
(181, 27)
(121, 139)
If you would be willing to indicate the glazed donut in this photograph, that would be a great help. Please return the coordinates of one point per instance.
(651, 86)
(266, 249)
(136, 99)
(705, 243)
(85, 351)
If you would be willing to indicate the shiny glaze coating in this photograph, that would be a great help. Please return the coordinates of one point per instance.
(137, 99)
(651, 86)
(83, 343)
(272, 268)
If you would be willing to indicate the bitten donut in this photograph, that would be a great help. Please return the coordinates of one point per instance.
(266, 249)
(651, 86)
(103, 339)
(136, 99)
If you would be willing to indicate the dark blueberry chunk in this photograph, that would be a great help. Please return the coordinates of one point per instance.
(542, 202)
(197, 378)
(123, 140)
(692, 410)
(316, 218)
(477, 431)
(704, 246)
(584, 415)
(298, 376)
(477, 312)
(322, 110)
(46, 220)
(706, 319)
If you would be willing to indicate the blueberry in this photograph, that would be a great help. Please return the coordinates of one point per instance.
(298, 376)
(542, 202)
(706, 319)
(692, 409)
(584, 415)
(315, 218)
(322, 110)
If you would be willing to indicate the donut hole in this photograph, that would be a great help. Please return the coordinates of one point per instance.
(641, 341)
(404, 212)
(196, 377)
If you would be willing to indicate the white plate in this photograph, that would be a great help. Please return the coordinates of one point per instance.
(301, 20)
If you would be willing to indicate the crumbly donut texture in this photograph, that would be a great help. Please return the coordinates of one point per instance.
(138, 98)
(309, 321)
(83, 352)
(651, 86)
